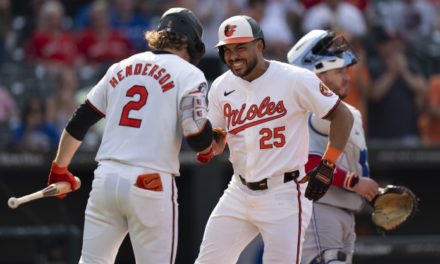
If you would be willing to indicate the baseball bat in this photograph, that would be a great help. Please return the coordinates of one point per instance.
(51, 190)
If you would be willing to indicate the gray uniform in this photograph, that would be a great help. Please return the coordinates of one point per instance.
(332, 224)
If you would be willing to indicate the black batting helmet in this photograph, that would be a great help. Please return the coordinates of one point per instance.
(182, 21)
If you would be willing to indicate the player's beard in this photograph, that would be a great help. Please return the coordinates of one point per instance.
(249, 64)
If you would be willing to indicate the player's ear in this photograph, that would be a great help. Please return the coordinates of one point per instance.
(260, 44)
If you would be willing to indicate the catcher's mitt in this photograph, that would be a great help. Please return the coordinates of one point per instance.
(394, 206)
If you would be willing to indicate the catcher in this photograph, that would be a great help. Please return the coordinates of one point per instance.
(330, 236)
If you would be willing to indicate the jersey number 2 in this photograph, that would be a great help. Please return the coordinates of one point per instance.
(271, 139)
(133, 105)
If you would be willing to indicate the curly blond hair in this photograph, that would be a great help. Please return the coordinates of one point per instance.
(162, 40)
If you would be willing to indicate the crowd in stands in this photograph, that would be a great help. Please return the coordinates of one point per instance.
(52, 53)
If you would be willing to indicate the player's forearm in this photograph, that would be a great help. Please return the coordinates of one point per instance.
(340, 126)
(67, 148)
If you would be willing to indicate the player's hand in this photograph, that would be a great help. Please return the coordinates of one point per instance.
(217, 146)
(320, 179)
(367, 188)
(59, 174)
(206, 155)
(219, 136)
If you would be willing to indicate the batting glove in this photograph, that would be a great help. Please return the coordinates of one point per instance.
(205, 157)
(60, 174)
(320, 179)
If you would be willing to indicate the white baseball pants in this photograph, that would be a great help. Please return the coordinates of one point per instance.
(117, 207)
(281, 214)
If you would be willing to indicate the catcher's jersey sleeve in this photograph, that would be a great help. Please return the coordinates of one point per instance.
(353, 158)
(140, 98)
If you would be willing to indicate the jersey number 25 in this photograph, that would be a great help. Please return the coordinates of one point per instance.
(270, 139)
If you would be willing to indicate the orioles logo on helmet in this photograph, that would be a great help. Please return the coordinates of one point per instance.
(325, 90)
(229, 30)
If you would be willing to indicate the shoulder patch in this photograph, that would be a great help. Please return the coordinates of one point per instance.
(325, 90)
(203, 87)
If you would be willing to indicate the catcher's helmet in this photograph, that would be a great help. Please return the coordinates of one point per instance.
(320, 51)
(238, 29)
(182, 21)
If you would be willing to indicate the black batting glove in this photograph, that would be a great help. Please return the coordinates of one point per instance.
(320, 179)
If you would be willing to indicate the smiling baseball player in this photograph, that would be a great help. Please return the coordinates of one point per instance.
(263, 105)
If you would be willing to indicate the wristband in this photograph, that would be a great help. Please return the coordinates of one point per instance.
(57, 169)
(206, 157)
(331, 154)
(350, 180)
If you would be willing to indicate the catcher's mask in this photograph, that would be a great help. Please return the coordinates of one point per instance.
(182, 21)
(237, 29)
(320, 51)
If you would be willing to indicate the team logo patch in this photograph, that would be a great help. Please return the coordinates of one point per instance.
(229, 30)
(325, 90)
(203, 87)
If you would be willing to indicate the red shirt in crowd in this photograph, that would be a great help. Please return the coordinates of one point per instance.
(111, 48)
(53, 47)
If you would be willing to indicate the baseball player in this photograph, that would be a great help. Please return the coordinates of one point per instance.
(263, 105)
(330, 237)
(149, 101)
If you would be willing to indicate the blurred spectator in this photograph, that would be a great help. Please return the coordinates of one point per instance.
(412, 19)
(361, 4)
(255, 9)
(81, 19)
(309, 3)
(126, 18)
(33, 132)
(336, 15)
(61, 105)
(100, 44)
(397, 94)
(5, 23)
(8, 116)
(360, 77)
(211, 14)
(430, 120)
(8, 108)
(51, 45)
(278, 35)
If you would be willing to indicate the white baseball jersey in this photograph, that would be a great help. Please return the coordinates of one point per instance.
(353, 158)
(266, 119)
(139, 130)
